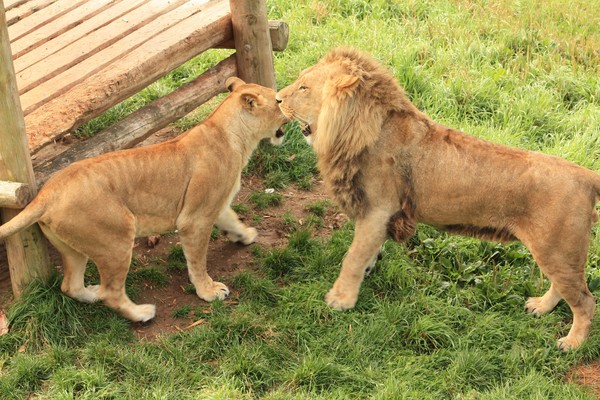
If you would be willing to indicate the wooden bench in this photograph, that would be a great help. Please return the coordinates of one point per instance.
(74, 59)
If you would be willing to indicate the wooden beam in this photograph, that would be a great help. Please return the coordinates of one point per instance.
(62, 70)
(252, 41)
(25, 9)
(135, 70)
(14, 194)
(53, 43)
(27, 251)
(45, 32)
(38, 20)
(279, 32)
(139, 125)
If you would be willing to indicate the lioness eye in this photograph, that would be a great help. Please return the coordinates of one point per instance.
(302, 88)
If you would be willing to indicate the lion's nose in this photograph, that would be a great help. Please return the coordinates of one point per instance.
(278, 100)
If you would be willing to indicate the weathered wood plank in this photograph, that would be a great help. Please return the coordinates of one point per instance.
(252, 42)
(149, 119)
(72, 35)
(27, 251)
(67, 21)
(53, 75)
(14, 194)
(279, 32)
(37, 20)
(25, 9)
(8, 4)
(136, 70)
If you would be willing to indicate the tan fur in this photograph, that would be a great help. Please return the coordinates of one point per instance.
(390, 166)
(96, 208)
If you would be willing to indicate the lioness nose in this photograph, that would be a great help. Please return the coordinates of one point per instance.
(278, 100)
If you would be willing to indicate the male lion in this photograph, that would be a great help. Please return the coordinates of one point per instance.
(389, 166)
(96, 208)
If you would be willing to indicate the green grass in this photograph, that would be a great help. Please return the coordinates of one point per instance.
(439, 318)
(264, 200)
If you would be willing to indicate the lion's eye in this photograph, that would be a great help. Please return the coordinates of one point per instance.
(302, 87)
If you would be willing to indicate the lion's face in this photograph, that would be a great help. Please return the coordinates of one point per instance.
(302, 99)
(260, 111)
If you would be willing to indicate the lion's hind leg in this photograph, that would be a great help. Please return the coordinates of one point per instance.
(563, 263)
(229, 222)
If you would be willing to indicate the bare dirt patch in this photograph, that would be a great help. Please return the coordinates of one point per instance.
(225, 259)
(587, 375)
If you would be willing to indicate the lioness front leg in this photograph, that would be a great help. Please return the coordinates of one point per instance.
(369, 235)
(229, 222)
(194, 241)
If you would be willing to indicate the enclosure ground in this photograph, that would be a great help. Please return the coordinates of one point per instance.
(227, 259)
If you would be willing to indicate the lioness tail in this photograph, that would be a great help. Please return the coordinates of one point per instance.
(30, 215)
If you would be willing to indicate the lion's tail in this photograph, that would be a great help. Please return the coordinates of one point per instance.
(29, 216)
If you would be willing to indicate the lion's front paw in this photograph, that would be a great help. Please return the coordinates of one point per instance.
(339, 300)
(248, 237)
(537, 307)
(567, 344)
(216, 290)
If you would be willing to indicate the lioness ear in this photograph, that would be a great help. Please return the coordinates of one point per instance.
(233, 83)
(249, 100)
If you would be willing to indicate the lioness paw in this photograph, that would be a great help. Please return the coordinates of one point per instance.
(142, 312)
(215, 291)
(87, 294)
(91, 294)
(340, 301)
(250, 236)
(246, 238)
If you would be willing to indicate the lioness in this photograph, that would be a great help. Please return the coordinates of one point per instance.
(96, 208)
(389, 166)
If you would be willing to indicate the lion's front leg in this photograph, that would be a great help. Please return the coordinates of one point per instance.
(236, 231)
(369, 235)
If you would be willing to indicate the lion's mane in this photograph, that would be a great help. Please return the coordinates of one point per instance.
(355, 106)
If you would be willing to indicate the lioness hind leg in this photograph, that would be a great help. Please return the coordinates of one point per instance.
(194, 242)
(113, 272)
(369, 235)
(74, 264)
(229, 222)
(73, 281)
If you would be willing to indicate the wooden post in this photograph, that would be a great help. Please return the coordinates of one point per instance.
(27, 251)
(253, 47)
(279, 32)
(14, 194)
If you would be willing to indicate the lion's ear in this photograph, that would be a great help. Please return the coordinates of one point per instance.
(345, 82)
(233, 83)
(249, 100)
